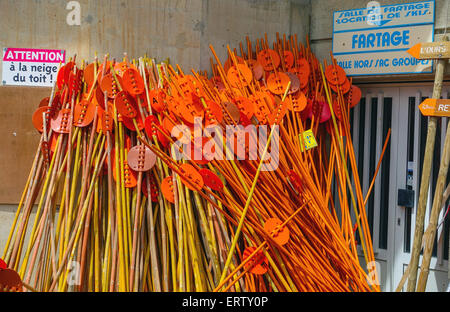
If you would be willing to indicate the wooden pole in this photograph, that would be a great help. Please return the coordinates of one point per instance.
(430, 233)
(425, 181)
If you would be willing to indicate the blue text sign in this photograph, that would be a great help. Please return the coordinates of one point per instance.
(374, 40)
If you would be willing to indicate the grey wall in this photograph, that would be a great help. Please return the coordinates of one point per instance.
(230, 21)
(178, 29)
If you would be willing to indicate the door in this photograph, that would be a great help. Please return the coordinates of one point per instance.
(392, 226)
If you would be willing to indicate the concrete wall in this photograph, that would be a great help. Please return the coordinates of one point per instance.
(230, 21)
(177, 29)
(160, 28)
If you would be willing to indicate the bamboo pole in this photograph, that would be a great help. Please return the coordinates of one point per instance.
(425, 180)
(430, 233)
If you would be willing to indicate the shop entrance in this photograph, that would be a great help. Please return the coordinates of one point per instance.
(392, 226)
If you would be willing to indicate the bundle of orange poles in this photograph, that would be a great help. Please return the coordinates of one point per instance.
(148, 178)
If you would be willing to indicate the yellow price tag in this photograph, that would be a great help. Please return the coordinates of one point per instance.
(308, 139)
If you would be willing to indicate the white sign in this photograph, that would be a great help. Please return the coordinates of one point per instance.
(374, 40)
(31, 67)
